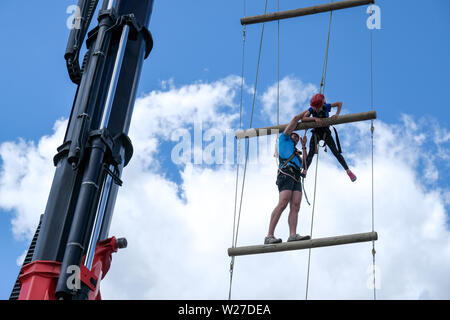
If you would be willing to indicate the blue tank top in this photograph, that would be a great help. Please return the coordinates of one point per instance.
(324, 113)
(286, 148)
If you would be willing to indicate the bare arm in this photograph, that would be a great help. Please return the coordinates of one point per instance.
(303, 140)
(293, 124)
(307, 118)
(339, 107)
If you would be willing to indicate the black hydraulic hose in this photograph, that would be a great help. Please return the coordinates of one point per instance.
(76, 39)
(88, 86)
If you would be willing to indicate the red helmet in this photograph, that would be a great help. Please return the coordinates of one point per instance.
(317, 100)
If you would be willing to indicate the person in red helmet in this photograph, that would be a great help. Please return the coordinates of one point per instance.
(319, 110)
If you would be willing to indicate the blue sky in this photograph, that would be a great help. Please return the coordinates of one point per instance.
(200, 42)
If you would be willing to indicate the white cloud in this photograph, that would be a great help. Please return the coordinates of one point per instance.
(21, 258)
(25, 178)
(177, 245)
(294, 98)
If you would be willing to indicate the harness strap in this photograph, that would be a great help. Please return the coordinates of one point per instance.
(287, 174)
(338, 143)
(302, 179)
(337, 140)
(285, 163)
(304, 191)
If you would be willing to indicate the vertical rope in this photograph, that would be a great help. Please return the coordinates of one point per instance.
(372, 129)
(251, 123)
(276, 155)
(235, 234)
(322, 91)
(312, 216)
(244, 29)
(278, 68)
(240, 122)
(325, 62)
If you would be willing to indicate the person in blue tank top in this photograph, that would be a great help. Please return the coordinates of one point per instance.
(288, 181)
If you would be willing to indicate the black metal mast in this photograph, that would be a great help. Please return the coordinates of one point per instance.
(96, 146)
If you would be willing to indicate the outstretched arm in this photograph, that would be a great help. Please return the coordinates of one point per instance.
(293, 124)
(339, 107)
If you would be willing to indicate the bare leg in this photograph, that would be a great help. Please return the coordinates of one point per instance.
(284, 198)
(293, 213)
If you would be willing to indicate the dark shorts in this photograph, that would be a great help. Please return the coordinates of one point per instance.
(285, 182)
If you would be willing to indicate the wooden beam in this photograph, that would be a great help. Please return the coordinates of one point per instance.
(353, 117)
(305, 11)
(304, 244)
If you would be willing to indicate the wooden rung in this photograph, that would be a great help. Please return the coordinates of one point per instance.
(304, 244)
(305, 11)
(353, 117)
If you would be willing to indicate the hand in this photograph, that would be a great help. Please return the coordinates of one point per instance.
(318, 120)
(334, 116)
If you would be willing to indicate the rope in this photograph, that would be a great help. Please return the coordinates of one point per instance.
(325, 62)
(250, 125)
(322, 91)
(238, 148)
(278, 68)
(235, 234)
(372, 129)
(312, 216)
(278, 87)
(240, 123)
